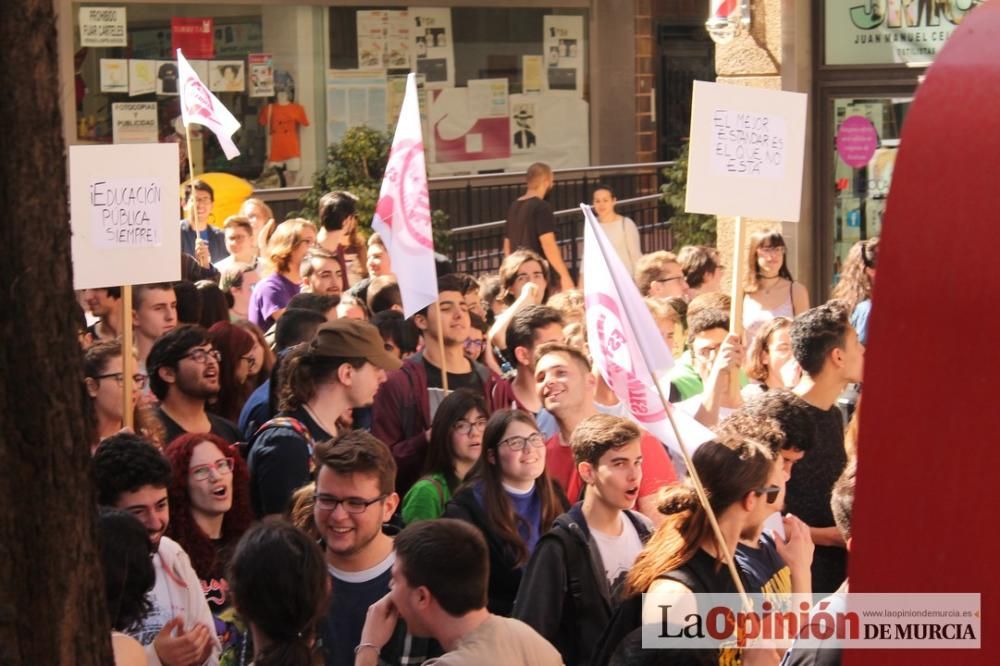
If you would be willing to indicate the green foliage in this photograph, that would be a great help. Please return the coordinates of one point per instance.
(688, 228)
(356, 164)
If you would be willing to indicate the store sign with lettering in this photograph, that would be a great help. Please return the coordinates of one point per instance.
(886, 32)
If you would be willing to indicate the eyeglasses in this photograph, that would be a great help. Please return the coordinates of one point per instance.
(201, 356)
(464, 427)
(469, 342)
(251, 361)
(138, 379)
(517, 443)
(767, 249)
(669, 279)
(221, 467)
(351, 504)
(772, 493)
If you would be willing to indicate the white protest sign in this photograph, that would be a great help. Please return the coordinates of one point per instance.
(746, 152)
(124, 213)
(103, 26)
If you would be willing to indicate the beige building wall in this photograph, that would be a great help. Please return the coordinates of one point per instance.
(775, 53)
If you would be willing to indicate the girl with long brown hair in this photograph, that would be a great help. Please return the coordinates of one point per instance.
(510, 498)
(287, 245)
(768, 286)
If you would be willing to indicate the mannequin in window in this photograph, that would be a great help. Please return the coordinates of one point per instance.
(282, 118)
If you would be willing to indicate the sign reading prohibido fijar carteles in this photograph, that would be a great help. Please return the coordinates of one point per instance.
(124, 205)
(746, 152)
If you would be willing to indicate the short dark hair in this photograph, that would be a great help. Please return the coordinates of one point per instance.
(167, 352)
(787, 410)
(128, 567)
(522, 327)
(403, 332)
(188, 302)
(383, 293)
(200, 185)
(817, 332)
(598, 434)
(713, 300)
(321, 303)
(358, 451)
(447, 282)
(707, 320)
(295, 326)
(697, 261)
(461, 586)
(124, 463)
(334, 208)
(842, 499)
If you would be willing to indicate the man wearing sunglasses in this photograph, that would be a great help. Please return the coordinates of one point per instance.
(184, 375)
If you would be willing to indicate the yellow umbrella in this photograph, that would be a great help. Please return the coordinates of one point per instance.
(230, 193)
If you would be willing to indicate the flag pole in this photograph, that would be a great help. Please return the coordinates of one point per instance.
(194, 204)
(695, 479)
(444, 361)
(736, 304)
(128, 360)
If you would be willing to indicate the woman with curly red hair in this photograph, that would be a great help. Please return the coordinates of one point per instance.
(209, 498)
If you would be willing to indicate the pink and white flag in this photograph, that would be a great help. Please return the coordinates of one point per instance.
(403, 212)
(199, 105)
(625, 343)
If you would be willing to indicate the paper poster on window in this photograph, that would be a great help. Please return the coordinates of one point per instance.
(564, 49)
(354, 98)
(396, 92)
(114, 75)
(524, 129)
(134, 122)
(226, 76)
(532, 67)
(141, 77)
(398, 39)
(123, 214)
(261, 66)
(193, 36)
(488, 98)
(372, 27)
(166, 77)
(747, 148)
(433, 47)
(103, 27)
(465, 128)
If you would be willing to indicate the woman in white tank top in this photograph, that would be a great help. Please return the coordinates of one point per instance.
(769, 288)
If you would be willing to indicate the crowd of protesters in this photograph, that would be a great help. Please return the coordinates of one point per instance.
(311, 477)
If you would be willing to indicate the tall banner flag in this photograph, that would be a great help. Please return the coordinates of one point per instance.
(403, 212)
(626, 345)
(199, 105)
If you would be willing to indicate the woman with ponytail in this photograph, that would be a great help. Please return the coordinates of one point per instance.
(279, 584)
(744, 482)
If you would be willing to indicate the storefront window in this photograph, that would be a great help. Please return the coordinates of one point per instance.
(866, 139)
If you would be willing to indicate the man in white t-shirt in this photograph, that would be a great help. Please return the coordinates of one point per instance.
(561, 594)
(448, 603)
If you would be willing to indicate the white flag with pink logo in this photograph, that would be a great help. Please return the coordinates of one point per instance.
(625, 343)
(199, 105)
(403, 212)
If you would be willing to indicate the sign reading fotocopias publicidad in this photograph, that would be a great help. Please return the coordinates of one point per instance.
(886, 32)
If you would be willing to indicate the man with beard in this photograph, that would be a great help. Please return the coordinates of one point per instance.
(131, 475)
(354, 498)
(405, 406)
(184, 375)
(154, 312)
(338, 370)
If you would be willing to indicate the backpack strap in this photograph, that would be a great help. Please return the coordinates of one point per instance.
(294, 424)
(574, 565)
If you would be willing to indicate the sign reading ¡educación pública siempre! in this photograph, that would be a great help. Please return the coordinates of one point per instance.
(886, 32)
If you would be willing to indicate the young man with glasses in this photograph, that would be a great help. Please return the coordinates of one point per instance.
(340, 369)
(131, 475)
(355, 497)
(154, 312)
(184, 375)
(203, 241)
(659, 275)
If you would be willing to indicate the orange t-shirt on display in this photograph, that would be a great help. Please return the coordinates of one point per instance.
(283, 121)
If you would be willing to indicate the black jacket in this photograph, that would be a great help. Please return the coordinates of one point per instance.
(565, 595)
(505, 575)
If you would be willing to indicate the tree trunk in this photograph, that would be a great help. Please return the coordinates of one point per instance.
(52, 608)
